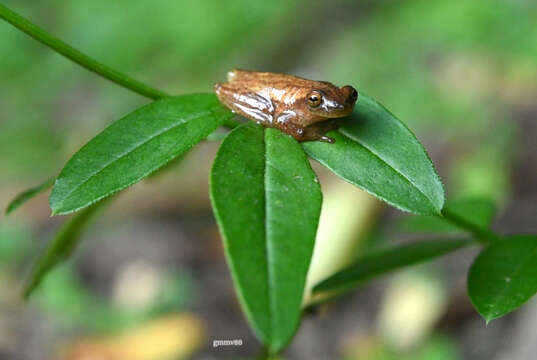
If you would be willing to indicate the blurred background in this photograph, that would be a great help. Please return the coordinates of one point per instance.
(149, 281)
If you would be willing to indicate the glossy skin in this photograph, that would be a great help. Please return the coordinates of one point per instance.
(303, 108)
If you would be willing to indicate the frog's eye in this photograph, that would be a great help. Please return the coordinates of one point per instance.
(314, 99)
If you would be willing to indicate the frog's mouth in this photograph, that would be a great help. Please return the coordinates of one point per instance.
(332, 109)
(336, 111)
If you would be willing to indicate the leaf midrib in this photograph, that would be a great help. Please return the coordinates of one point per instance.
(348, 135)
(397, 205)
(268, 252)
(131, 149)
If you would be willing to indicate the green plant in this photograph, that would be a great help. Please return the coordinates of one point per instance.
(267, 199)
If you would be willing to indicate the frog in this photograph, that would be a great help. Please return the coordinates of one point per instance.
(305, 109)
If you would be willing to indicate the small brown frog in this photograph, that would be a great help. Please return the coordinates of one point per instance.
(302, 108)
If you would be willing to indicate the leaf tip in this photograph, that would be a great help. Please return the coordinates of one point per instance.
(438, 211)
(54, 206)
(28, 290)
(58, 210)
(8, 210)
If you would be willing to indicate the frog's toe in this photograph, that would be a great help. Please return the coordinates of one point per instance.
(327, 139)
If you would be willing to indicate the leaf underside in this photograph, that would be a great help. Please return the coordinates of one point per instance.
(387, 260)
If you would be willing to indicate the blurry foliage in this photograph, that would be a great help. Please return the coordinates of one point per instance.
(174, 336)
(72, 303)
(458, 68)
(63, 296)
(15, 242)
(439, 347)
(402, 53)
(166, 43)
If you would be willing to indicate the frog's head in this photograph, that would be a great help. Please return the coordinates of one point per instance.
(330, 101)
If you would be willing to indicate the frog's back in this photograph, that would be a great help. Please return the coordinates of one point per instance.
(259, 79)
(282, 90)
(268, 97)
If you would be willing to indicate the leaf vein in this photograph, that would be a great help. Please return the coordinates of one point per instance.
(342, 131)
(131, 149)
(268, 250)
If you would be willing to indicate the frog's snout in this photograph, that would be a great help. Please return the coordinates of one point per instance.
(351, 94)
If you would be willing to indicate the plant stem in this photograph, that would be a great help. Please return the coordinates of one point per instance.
(78, 57)
(262, 354)
(85, 61)
(481, 234)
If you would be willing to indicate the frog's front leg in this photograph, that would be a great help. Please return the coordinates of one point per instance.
(317, 131)
(285, 121)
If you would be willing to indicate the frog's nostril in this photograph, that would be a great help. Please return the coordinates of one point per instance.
(353, 95)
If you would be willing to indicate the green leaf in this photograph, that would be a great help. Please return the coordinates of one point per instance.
(477, 211)
(504, 276)
(133, 147)
(23, 197)
(387, 260)
(267, 201)
(61, 246)
(376, 152)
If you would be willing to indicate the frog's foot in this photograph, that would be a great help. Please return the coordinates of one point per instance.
(318, 137)
(327, 139)
(310, 133)
(317, 131)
